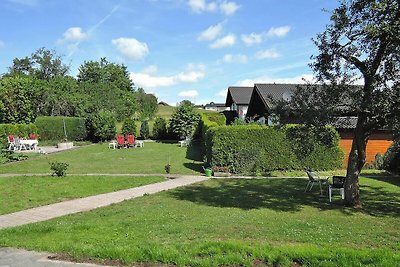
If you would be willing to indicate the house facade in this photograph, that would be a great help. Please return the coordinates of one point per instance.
(262, 101)
(238, 98)
(215, 106)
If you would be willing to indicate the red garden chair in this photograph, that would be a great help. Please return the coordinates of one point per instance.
(130, 140)
(120, 140)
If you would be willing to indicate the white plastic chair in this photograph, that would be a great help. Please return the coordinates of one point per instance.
(337, 184)
(314, 178)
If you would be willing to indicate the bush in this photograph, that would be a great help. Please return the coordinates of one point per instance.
(261, 149)
(391, 159)
(144, 130)
(52, 128)
(160, 128)
(101, 126)
(184, 121)
(59, 168)
(129, 127)
(22, 130)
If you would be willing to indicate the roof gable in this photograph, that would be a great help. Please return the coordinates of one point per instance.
(240, 95)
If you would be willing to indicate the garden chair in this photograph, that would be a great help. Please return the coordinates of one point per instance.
(18, 145)
(11, 142)
(33, 136)
(120, 141)
(337, 184)
(130, 140)
(314, 178)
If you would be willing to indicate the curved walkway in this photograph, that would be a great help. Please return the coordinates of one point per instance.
(88, 203)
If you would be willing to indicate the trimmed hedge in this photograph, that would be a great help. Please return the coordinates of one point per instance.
(52, 128)
(261, 149)
(22, 130)
(207, 121)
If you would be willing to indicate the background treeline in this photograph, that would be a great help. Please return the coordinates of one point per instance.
(39, 85)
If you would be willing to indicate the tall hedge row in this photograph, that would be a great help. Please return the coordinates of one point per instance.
(260, 149)
(21, 130)
(52, 128)
(209, 120)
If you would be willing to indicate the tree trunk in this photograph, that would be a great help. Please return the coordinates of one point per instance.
(356, 162)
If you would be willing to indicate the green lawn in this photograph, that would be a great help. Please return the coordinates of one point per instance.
(24, 192)
(258, 222)
(99, 158)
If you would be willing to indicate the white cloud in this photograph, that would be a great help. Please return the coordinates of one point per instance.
(150, 69)
(201, 6)
(252, 38)
(267, 79)
(225, 7)
(278, 32)
(228, 40)
(222, 93)
(210, 33)
(131, 48)
(237, 58)
(194, 73)
(229, 8)
(256, 38)
(188, 94)
(74, 34)
(267, 54)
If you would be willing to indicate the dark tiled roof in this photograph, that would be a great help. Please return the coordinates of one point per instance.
(239, 95)
(344, 123)
(275, 92)
(216, 105)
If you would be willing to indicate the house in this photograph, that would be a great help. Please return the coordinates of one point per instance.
(215, 106)
(263, 98)
(238, 99)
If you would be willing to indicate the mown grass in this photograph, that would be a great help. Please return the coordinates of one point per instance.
(98, 158)
(237, 222)
(24, 192)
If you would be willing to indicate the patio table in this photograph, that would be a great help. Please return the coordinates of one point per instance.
(29, 143)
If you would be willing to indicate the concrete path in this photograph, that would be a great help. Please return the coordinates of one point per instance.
(11, 257)
(88, 203)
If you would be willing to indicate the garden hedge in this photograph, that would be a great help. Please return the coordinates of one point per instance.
(52, 128)
(260, 149)
(22, 130)
(207, 121)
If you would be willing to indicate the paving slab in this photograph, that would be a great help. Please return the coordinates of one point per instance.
(51, 211)
(11, 257)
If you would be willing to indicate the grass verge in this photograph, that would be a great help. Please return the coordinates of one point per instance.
(98, 158)
(237, 222)
(24, 192)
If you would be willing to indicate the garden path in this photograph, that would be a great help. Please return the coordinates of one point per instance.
(88, 203)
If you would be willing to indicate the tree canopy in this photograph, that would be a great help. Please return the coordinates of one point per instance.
(361, 45)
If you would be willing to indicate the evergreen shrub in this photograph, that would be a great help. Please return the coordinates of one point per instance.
(160, 129)
(101, 126)
(129, 127)
(391, 159)
(52, 128)
(144, 130)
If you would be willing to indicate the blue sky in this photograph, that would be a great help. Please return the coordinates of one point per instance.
(176, 49)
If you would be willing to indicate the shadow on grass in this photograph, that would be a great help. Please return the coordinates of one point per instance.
(285, 195)
(193, 153)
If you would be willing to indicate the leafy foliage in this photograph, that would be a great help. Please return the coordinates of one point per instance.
(185, 120)
(160, 128)
(52, 128)
(129, 127)
(43, 64)
(101, 126)
(21, 130)
(147, 105)
(256, 148)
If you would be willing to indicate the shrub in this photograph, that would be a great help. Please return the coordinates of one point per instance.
(184, 121)
(59, 168)
(144, 130)
(52, 128)
(258, 148)
(129, 127)
(391, 159)
(160, 128)
(101, 126)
